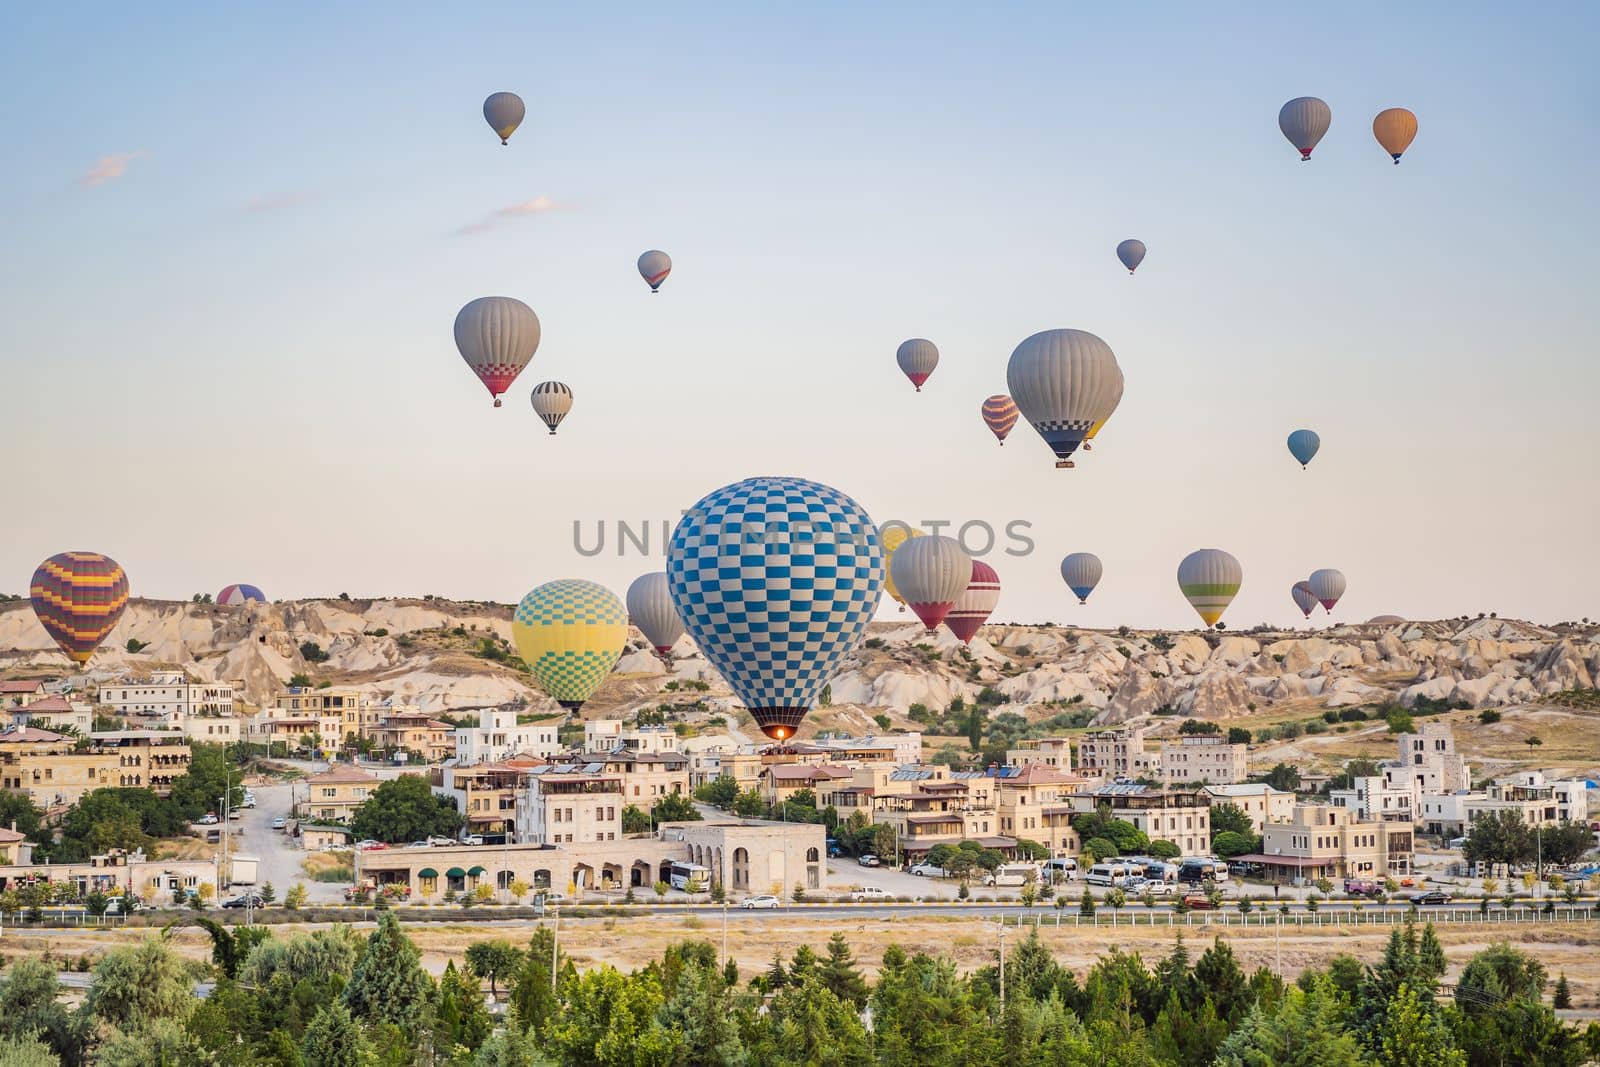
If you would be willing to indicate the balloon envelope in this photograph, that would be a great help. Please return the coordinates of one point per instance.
(1131, 252)
(776, 580)
(551, 402)
(240, 594)
(1303, 445)
(654, 266)
(1064, 382)
(652, 611)
(1395, 128)
(1303, 121)
(931, 572)
(1000, 414)
(497, 336)
(1210, 579)
(917, 358)
(504, 113)
(570, 632)
(78, 597)
(1304, 598)
(976, 602)
(1081, 571)
(892, 535)
(1327, 586)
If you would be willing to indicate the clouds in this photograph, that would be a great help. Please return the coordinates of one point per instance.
(108, 168)
(539, 205)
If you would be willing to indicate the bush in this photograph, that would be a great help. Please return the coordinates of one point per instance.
(1352, 715)
(312, 652)
(1488, 716)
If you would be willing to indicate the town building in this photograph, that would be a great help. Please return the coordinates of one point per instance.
(1117, 753)
(283, 735)
(1049, 751)
(168, 695)
(156, 757)
(781, 781)
(113, 873)
(646, 776)
(1535, 799)
(567, 804)
(898, 748)
(415, 732)
(1372, 797)
(343, 713)
(53, 713)
(53, 771)
(1258, 800)
(1184, 818)
(19, 692)
(1324, 841)
(336, 793)
(1022, 794)
(486, 793)
(1427, 764)
(316, 837)
(498, 735)
(1203, 758)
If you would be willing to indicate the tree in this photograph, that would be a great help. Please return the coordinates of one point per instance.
(1163, 849)
(1306, 1028)
(387, 984)
(1498, 974)
(461, 1020)
(1284, 776)
(1100, 848)
(30, 1006)
(1229, 818)
(675, 807)
(749, 804)
(1230, 844)
(295, 898)
(1197, 727)
(136, 986)
(27, 1051)
(1563, 995)
(840, 974)
(1414, 1035)
(335, 1039)
(493, 961)
(635, 820)
(162, 1042)
(1499, 837)
(312, 652)
(720, 791)
(1238, 735)
(405, 809)
(1086, 903)
(533, 1001)
(1564, 843)
(1400, 722)
(611, 1020)
(209, 776)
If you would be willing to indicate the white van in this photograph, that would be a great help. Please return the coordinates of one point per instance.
(1064, 869)
(1107, 874)
(1013, 874)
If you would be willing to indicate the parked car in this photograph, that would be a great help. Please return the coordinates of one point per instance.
(441, 842)
(867, 859)
(1359, 887)
(870, 893)
(765, 900)
(370, 846)
(418, 844)
(249, 800)
(280, 823)
(1155, 887)
(472, 839)
(928, 870)
(1199, 903)
(208, 819)
(245, 900)
(1431, 896)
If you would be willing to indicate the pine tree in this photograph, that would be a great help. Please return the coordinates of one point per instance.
(1430, 955)
(532, 995)
(1414, 1035)
(1219, 978)
(803, 966)
(388, 984)
(1563, 996)
(776, 977)
(334, 1039)
(461, 1019)
(840, 973)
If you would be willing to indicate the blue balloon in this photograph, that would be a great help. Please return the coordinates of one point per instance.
(776, 580)
(1303, 444)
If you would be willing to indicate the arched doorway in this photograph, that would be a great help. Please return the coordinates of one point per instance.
(741, 868)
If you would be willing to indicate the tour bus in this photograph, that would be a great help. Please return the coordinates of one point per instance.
(680, 874)
(1197, 869)
(1107, 874)
(1153, 869)
(1061, 869)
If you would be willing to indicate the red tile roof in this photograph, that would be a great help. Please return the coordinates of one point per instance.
(20, 685)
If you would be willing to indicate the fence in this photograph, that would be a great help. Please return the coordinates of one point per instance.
(1270, 918)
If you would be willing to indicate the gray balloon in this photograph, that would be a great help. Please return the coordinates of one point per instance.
(504, 112)
(650, 608)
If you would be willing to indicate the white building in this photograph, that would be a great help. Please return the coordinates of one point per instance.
(1374, 799)
(167, 695)
(569, 804)
(53, 713)
(499, 735)
(906, 747)
(1428, 764)
(601, 735)
(1258, 800)
(1203, 758)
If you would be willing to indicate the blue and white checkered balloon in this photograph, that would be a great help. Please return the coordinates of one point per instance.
(776, 580)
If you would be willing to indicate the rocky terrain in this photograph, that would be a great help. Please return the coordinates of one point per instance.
(442, 654)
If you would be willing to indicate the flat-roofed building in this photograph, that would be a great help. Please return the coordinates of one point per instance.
(160, 756)
(1203, 758)
(780, 782)
(1118, 752)
(54, 772)
(167, 694)
(498, 735)
(1324, 841)
(1184, 818)
(415, 731)
(486, 793)
(1051, 751)
(569, 804)
(1372, 797)
(1258, 800)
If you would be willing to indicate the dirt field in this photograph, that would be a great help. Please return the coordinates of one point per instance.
(630, 943)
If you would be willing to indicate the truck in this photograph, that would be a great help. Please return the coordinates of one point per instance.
(242, 870)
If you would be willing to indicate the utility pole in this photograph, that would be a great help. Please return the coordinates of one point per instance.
(1001, 932)
(724, 933)
(555, 946)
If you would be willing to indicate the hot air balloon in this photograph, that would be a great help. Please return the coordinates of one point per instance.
(1064, 382)
(504, 113)
(892, 535)
(776, 580)
(652, 611)
(1088, 438)
(654, 266)
(78, 597)
(1395, 128)
(1303, 121)
(570, 632)
(931, 573)
(1303, 445)
(232, 595)
(497, 336)
(1304, 598)
(1131, 252)
(917, 358)
(1209, 579)
(1081, 571)
(1000, 414)
(975, 603)
(1385, 620)
(551, 402)
(1327, 586)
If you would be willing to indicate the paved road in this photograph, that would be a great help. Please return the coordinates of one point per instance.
(279, 855)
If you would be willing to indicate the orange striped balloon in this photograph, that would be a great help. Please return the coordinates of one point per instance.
(1000, 413)
(78, 597)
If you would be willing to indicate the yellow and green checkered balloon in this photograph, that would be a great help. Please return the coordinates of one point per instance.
(570, 633)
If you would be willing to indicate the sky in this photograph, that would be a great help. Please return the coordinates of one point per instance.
(236, 241)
